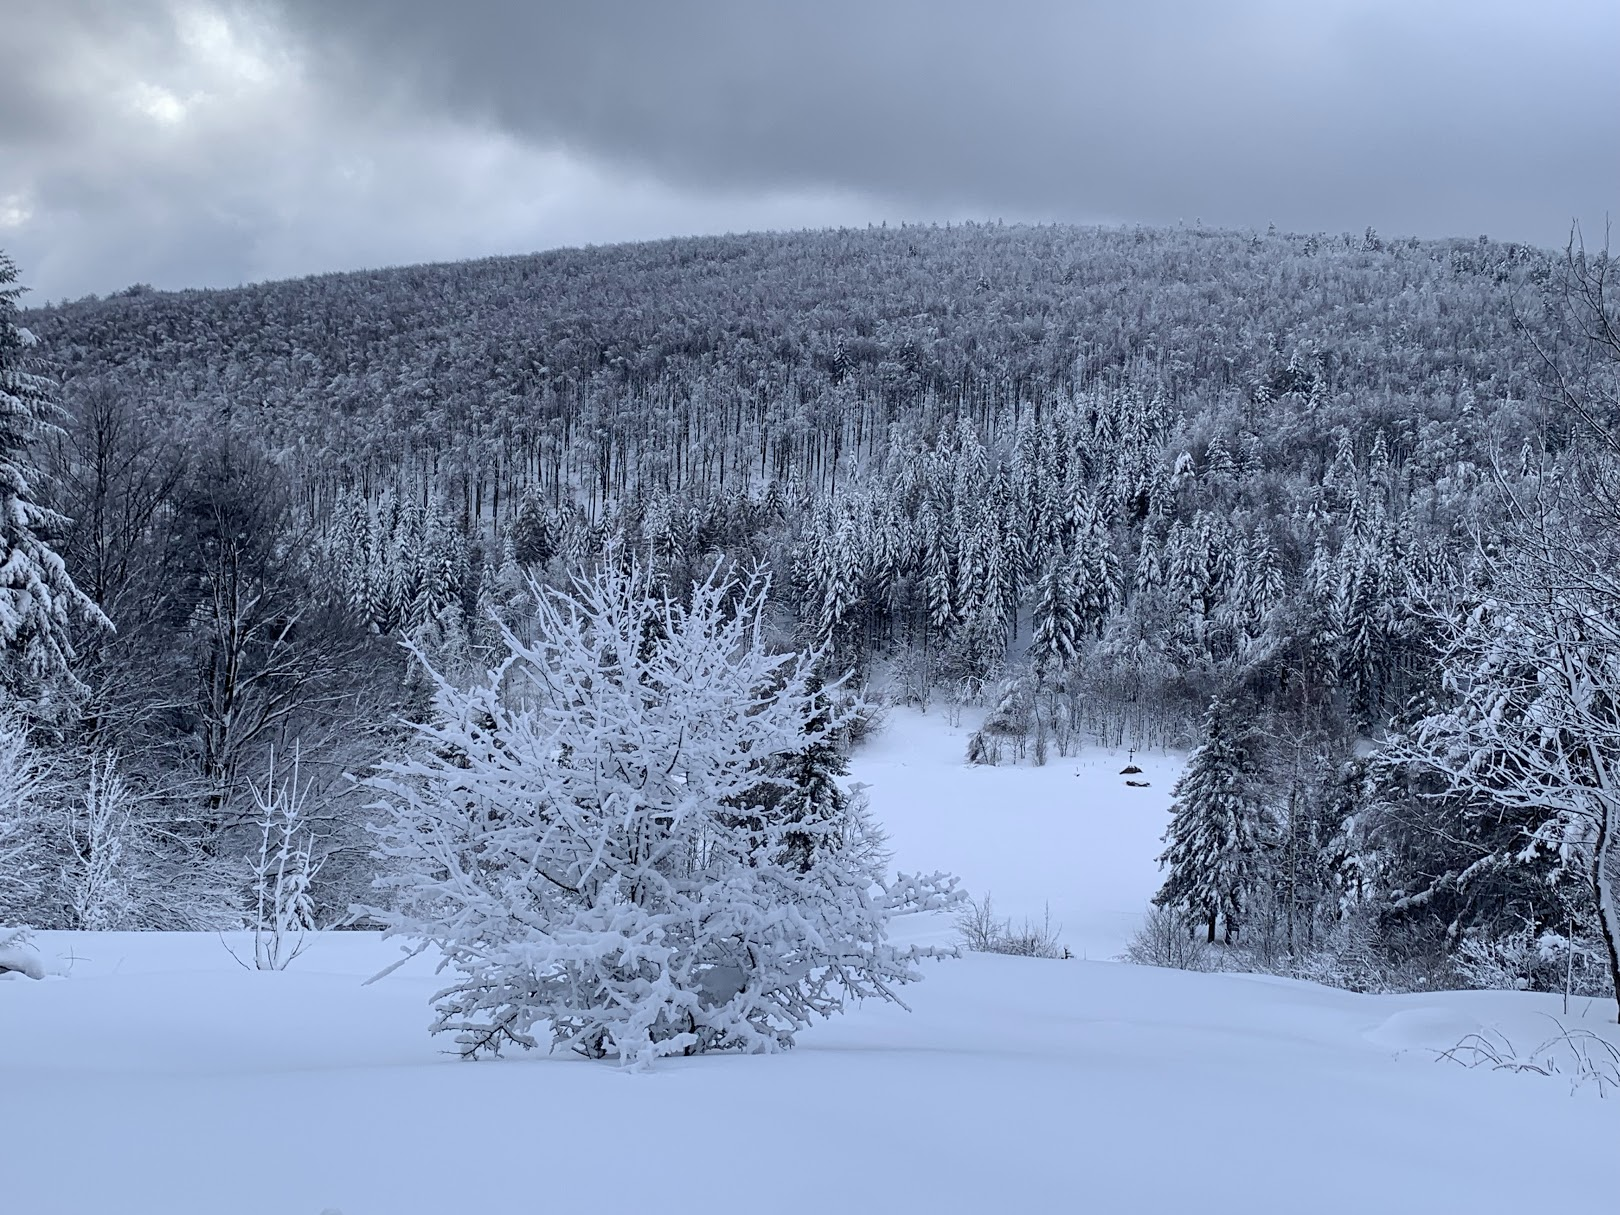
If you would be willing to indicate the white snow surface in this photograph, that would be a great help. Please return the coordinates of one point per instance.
(1071, 836)
(154, 1074)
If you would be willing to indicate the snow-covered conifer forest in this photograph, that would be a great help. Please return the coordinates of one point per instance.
(648, 633)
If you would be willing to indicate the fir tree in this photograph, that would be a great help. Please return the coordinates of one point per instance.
(38, 600)
(1096, 575)
(838, 577)
(1056, 623)
(937, 582)
(444, 563)
(534, 536)
(819, 813)
(1213, 838)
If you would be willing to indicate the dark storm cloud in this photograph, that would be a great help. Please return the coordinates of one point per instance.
(1432, 117)
(201, 142)
(206, 142)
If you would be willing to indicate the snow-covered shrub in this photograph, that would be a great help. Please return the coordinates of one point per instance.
(1499, 963)
(1529, 960)
(282, 869)
(18, 955)
(911, 678)
(983, 931)
(862, 719)
(601, 840)
(1355, 956)
(1010, 722)
(100, 874)
(1168, 938)
(79, 849)
(977, 925)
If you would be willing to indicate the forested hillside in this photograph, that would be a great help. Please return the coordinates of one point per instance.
(716, 363)
(1105, 484)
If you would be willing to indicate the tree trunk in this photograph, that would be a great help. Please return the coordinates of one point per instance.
(1603, 876)
(1608, 905)
(1212, 928)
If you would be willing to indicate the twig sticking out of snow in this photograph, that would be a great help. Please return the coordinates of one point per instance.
(1583, 1056)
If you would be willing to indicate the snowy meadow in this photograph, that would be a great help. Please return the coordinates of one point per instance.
(152, 1072)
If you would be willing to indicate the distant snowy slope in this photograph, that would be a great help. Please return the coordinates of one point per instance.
(1071, 833)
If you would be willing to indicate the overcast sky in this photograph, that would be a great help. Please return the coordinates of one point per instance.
(203, 143)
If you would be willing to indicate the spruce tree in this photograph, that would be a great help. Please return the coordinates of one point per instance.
(38, 600)
(1097, 578)
(444, 563)
(838, 577)
(534, 539)
(937, 581)
(1213, 838)
(1056, 623)
(821, 815)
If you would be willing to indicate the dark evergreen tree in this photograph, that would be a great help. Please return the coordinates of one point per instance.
(534, 539)
(1055, 641)
(1214, 837)
(39, 602)
(1096, 577)
(937, 581)
(809, 795)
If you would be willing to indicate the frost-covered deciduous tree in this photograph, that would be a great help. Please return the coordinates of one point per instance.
(102, 850)
(597, 841)
(282, 869)
(1529, 731)
(265, 651)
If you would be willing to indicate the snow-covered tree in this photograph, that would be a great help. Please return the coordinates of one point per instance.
(23, 781)
(38, 600)
(812, 800)
(534, 534)
(1528, 728)
(594, 838)
(282, 869)
(1096, 575)
(1213, 838)
(101, 873)
(936, 574)
(1055, 642)
(839, 578)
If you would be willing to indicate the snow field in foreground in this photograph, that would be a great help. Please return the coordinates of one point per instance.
(159, 1076)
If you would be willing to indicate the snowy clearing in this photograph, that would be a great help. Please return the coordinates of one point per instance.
(1071, 834)
(160, 1076)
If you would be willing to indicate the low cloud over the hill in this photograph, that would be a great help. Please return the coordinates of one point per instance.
(202, 142)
